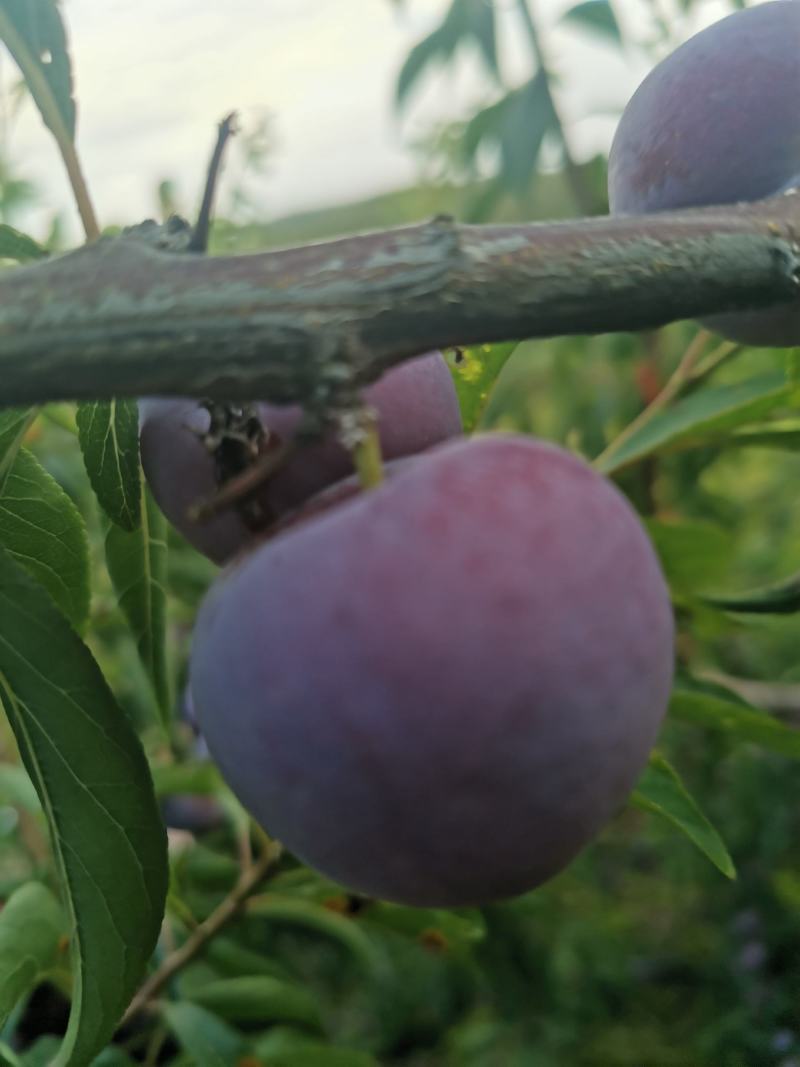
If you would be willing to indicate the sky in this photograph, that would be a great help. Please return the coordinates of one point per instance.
(153, 78)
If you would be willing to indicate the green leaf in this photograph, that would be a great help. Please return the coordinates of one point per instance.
(738, 720)
(436, 46)
(46, 534)
(480, 20)
(693, 555)
(465, 19)
(782, 598)
(109, 435)
(526, 118)
(31, 928)
(660, 790)
(292, 911)
(39, 29)
(14, 423)
(782, 435)
(137, 564)
(596, 16)
(282, 1047)
(19, 246)
(198, 778)
(258, 998)
(708, 416)
(205, 1038)
(92, 778)
(475, 371)
(230, 958)
(517, 125)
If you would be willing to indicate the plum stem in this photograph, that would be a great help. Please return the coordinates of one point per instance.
(367, 458)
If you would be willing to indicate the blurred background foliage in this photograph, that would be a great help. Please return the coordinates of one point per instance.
(641, 954)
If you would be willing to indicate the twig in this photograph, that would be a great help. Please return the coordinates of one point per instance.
(242, 485)
(204, 931)
(199, 239)
(689, 370)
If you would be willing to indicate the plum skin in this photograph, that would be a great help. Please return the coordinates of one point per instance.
(440, 691)
(717, 122)
(417, 407)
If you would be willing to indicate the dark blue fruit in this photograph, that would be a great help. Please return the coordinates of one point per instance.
(718, 122)
(438, 692)
(416, 405)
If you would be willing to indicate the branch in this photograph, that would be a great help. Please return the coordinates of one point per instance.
(204, 932)
(120, 318)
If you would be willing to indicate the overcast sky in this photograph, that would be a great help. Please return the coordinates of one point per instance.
(154, 77)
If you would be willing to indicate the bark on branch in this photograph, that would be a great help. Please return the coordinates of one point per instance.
(120, 318)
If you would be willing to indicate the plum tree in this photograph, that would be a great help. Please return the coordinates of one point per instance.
(416, 406)
(717, 122)
(439, 691)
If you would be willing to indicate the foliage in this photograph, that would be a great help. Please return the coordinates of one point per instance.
(642, 952)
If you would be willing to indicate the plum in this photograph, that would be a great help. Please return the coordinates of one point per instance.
(417, 407)
(718, 122)
(439, 691)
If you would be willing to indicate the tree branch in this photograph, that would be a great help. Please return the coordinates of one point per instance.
(120, 318)
(250, 879)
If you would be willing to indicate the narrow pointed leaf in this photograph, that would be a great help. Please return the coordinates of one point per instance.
(258, 998)
(137, 563)
(39, 29)
(109, 435)
(782, 598)
(527, 117)
(92, 778)
(708, 416)
(661, 791)
(422, 55)
(292, 911)
(781, 435)
(736, 719)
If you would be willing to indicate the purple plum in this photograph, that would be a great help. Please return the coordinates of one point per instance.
(718, 122)
(416, 405)
(439, 691)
